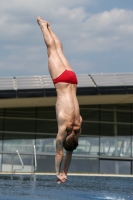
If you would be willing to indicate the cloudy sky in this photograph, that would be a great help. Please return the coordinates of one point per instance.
(97, 35)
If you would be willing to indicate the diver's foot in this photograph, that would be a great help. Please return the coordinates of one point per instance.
(42, 22)
(48, 25)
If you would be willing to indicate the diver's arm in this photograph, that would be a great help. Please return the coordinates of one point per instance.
(67, 162)
(59, 155)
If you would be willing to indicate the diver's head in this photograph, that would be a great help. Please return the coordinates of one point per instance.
(70, 143)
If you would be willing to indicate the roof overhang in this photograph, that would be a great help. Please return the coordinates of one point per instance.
(50, 101)
(37, 91)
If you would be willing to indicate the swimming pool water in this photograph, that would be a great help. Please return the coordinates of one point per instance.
(20, 187)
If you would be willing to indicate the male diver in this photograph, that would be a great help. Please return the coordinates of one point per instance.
(67, 107)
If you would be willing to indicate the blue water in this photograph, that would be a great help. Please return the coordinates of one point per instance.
(24, 187)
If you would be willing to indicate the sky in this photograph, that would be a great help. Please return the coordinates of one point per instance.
(97, 35)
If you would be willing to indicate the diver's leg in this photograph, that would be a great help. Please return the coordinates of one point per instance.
(55, 64)
(59, 49)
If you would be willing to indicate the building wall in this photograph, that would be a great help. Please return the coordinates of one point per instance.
(105, 145)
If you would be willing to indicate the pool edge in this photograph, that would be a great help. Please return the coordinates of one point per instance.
(71, 174)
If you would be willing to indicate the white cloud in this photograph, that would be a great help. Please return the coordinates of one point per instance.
(107, 30)
(80, 31)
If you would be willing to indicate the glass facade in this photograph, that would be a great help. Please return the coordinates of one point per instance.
(115, 167)
(115, 146)
(105, 145)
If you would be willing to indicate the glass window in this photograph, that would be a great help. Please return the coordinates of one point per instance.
(1, 137)
(107, 129)
(106, 146)
(20, 112)
(132, 116)
(132, 146)
(89, 128)
(20, 119)
(0, 145)
(1, 124)
(45, 143)
(0, 162)
(124, 117)
(107, 116)
(88, 145)
(46, 122)
(108, 106)
(126, 107)
(46, 113)
(7, 162)
(86, 165)
(115, 146)
(7, 159)
(123, 130)
(1, 119)
(19, 125)
(115, 167)
(20, 142)
(47, 126)
(89, 113)
(45, 163)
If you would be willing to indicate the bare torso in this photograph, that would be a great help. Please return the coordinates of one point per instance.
(67, 107)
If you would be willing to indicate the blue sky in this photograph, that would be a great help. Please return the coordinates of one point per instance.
(97, 35)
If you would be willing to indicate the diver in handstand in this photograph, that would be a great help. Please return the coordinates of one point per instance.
(67, 107)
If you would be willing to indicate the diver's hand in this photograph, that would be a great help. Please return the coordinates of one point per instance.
(61, 178)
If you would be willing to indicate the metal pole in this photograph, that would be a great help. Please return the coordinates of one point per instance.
(116, 141)
(20, 158)
(35, 168)
(12, 161)
(32, 163)
(20, 161)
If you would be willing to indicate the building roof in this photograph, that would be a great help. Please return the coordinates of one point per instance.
(92, 84)
(98, 85)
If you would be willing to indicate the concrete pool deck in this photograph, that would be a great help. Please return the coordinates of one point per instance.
(70, 174)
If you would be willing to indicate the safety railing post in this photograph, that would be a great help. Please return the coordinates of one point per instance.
(12, 161)
(20, 161)
(34, 161)
(35, 168)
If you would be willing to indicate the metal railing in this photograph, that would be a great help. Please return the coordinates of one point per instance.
(34, 161)
(20, 162)
(33, 164)
(35, 168)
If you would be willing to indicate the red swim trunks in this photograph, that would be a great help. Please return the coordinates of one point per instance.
(67, 76)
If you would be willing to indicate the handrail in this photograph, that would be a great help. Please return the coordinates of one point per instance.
(20, 161)
(35, 168)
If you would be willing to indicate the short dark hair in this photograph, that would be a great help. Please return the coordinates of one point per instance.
(71, 143)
